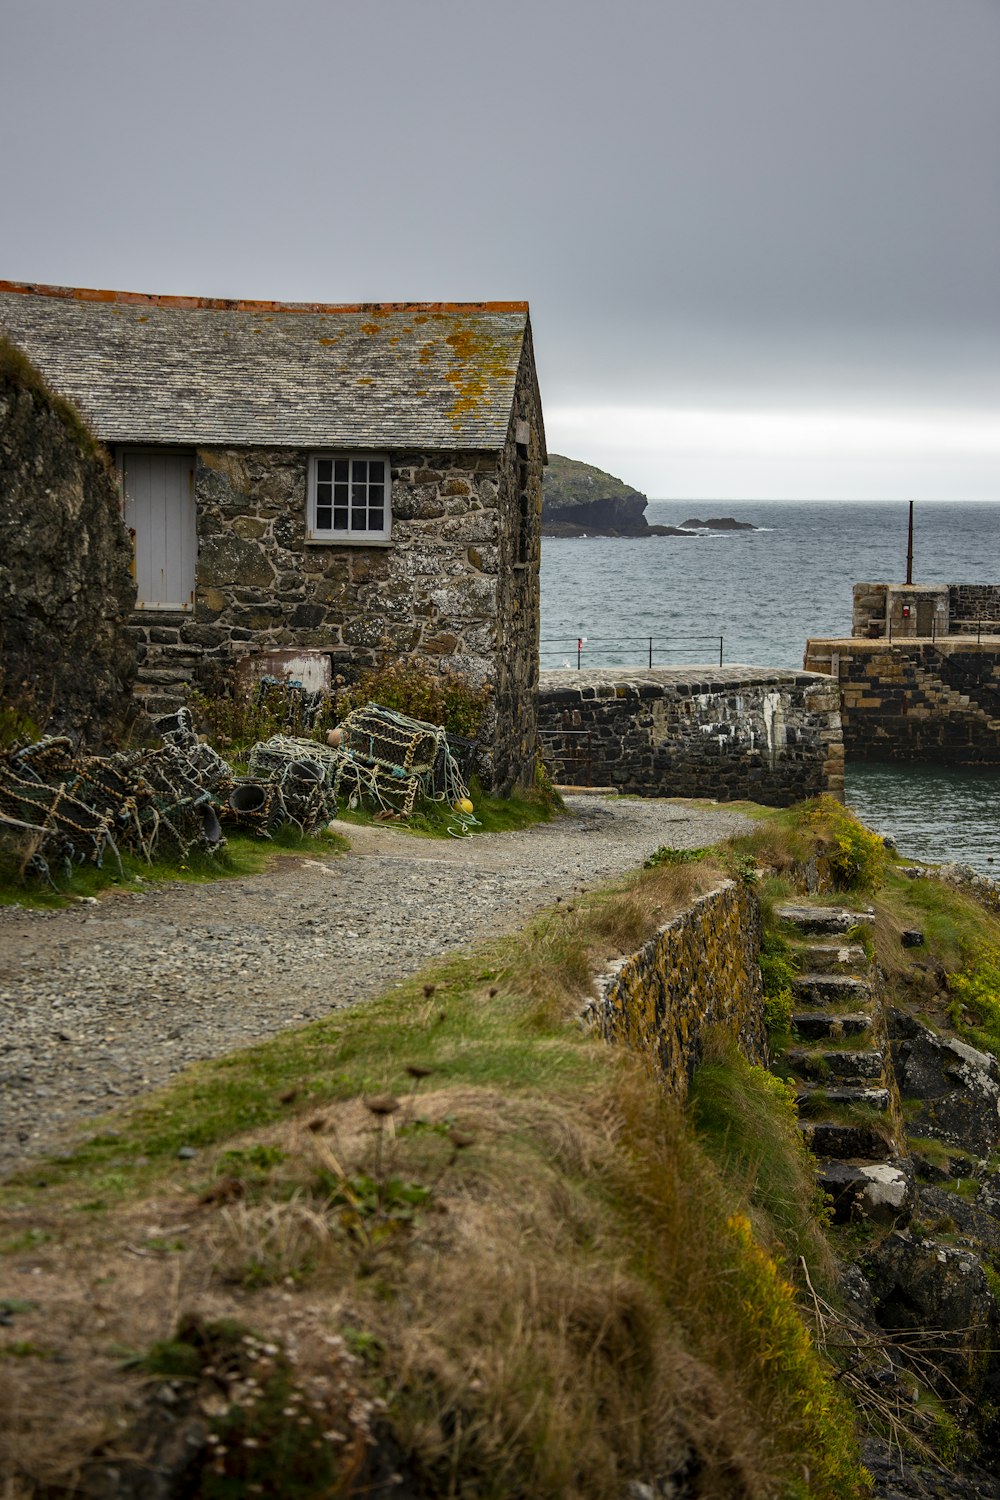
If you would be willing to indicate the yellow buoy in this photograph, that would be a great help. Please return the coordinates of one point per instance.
(463, 805)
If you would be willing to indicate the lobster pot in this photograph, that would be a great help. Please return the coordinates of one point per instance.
(251, 806)
(390, 741)
(270, 758)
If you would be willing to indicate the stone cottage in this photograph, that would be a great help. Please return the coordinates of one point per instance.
(365, 481)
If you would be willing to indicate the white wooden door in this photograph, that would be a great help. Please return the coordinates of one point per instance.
(160, 513)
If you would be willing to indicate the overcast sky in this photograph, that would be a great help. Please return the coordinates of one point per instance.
(760, 238)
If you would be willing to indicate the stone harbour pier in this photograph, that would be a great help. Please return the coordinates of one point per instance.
(729, 732)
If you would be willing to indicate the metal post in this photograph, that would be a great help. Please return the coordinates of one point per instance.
(579, 653)
(650, 653)
(909, 547)
(720, 650)
(979, 631)
(889, 616)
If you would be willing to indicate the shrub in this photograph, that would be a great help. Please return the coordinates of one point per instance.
(975, 995)
(412, 686)
(858, 858)
(238, 718)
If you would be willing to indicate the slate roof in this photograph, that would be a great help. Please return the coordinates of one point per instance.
(148, 369)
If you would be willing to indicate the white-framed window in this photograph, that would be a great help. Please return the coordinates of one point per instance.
(349, 498)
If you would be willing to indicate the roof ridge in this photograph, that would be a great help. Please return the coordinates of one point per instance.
(241, 304)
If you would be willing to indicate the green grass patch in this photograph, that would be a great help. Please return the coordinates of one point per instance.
(241, 855)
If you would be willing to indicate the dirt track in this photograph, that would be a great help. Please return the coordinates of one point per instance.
(102, 1001)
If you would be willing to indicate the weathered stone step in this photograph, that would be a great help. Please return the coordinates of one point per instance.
(832, 989)
(823, 918)
(818, 1025)
(881, 1190)
(837, 1066)
(833, 958)
(846, 1141)
(817, 1096)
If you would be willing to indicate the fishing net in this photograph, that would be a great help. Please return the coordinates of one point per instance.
(63, 808)
(385, 761)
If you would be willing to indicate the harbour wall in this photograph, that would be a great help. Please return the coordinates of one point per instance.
(723, 732)
(914, 700)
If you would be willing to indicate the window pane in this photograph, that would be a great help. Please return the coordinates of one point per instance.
(376, 520)
(359, 519)
(360, 470)
(340, 494)
(375, 493)
(323, 515)
(376, 471)
(324, 493)
(340, 518)
(340, 471)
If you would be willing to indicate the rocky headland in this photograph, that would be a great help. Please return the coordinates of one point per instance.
(581, 500)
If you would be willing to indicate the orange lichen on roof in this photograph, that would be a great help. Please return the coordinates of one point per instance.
(241, 304)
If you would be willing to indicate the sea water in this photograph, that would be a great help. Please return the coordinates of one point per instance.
(762, 594)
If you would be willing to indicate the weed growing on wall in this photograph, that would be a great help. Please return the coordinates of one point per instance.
(858, 858)
(412, 686)
(777, 972)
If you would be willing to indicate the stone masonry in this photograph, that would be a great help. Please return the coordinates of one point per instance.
(701, 969)
(457, 584)
(725, 732)
(916, 700)
(220, 405)
(65, 585)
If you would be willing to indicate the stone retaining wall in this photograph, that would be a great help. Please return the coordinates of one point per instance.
(721, 732)
(916, 700)
(701, 969)
(65, 584)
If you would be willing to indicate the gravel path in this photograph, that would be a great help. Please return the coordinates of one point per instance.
(102, 1001)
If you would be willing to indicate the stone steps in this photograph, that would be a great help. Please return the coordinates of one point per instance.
(839, 1064)
(844, 990)
(814, 1097)
(846, 1065)
(832, 958)
(846, 1141)
(823, 919)
(821, 1025)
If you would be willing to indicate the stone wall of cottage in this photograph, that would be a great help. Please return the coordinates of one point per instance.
(65, 581)
(445, 588)
(726, 732)
(916, 700)
(701, 969)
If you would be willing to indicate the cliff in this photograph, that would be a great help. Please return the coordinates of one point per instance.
(581, 500)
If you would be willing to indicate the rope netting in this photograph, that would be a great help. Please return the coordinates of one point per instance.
(63, 808)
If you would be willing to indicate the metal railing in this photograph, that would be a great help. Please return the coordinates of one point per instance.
(565, 646)
(956, 627)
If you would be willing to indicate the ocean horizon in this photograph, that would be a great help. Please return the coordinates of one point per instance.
(762, 594)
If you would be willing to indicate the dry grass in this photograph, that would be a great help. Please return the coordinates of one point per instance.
(532, 1258)
(582, 935)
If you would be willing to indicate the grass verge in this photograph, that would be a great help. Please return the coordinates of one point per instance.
(452, 1212)
(241, 855)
